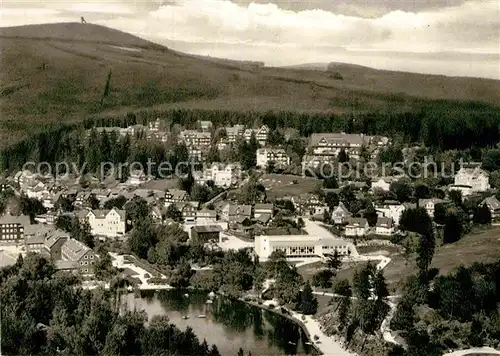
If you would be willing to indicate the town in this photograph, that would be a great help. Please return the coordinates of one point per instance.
(274, 196)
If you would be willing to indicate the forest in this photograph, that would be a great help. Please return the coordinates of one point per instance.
(439, 125)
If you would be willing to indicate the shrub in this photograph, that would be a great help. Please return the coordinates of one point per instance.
(271, 306)
(316, 338)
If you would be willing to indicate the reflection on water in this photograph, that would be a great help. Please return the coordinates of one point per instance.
(229, 324)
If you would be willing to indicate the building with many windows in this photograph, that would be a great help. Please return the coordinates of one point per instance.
(77, 255)
(12, 227)
(301, 246)
(276, 155)
(109, 223)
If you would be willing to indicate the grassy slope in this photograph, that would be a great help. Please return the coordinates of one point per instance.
(77, 59)
(481, 246)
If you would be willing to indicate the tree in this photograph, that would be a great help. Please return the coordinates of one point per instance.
(330, 183)
(422, 191)
(308, 304)
(65, 204)
(300, 223)
(343, 157)
(456, 197)
(81, 232)
(31, 207)
(200, 193)
(425, 253)
(270, 167)
(323, 279)
(402, 190)
(482, 215)
(103, 267)
(118, 202)
(370, 214)
(416, 220)
(137, 211)
(342, 287)
(65, 222)
(143, 237)
(93, 202)
(173, 213)
(334, 262)
(332, 200)
(440, 213)
(452, 229)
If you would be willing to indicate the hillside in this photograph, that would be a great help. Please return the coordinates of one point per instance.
(57, 73)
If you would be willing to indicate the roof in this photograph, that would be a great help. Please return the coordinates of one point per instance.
(77, 248)
(264, 218)
(476, 171)
(34, 240)
(264, 206)
(63, 265)
(52, 239)
(341, 207)
(177, 193)
(207, 228)
(10, 219)
(384, 222)
(338, 138)
(492, 202)
(207, 212)
(102, 214)
(359, 221)
(245, 210)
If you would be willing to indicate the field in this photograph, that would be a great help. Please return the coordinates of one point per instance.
(64, 68)
(483, 247)
(279, 186)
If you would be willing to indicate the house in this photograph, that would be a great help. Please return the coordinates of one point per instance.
(232, 133)
(154, 125)
(430, 205)
(35, 243)
(330, 144)
(13, 227)
(206, 216)
(242, 224)
(205, 125)
(137, 177)
(175, 196)
(188, 210)
(340, 214)
(193, 138)
(475, 178)
(232, 212)
(109, 223)
(493, 204)
(311, 162)
(383, 183)
(305, 203)
(81, 256)
(158, 213)
(390, 209)
(263, 219)
(260, 209)
(356, 227)
(53, 243)
(81, 198)
(206, 233)
(385, 226)
(276, 155)
(261, 134)
(223, 175)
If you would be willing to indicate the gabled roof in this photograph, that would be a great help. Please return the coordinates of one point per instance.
(492, 203)
(338, 138)
(23, 220)
(78, 249)
(384, 222)
(357, 221)
(341, 208)
(264, 206)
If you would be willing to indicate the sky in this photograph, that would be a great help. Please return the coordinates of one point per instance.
(451, 37)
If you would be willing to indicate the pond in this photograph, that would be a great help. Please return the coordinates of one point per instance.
(227, 323)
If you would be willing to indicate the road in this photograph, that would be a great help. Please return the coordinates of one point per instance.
(476, 350)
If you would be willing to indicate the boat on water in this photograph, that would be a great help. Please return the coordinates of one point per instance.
(185, 317)
(202, 316)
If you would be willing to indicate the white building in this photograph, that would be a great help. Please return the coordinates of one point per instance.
(222, 175)
(470, 180)
(261, 134)
(383, 183)
(385, 226)
(301, 246)
(430, 205)
(276, 155)
(340, 214)
(493, 205)
(109, 223)
(356, 227)
(390, 209)
(206, 217)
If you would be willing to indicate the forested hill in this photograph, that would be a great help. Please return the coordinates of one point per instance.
(57, 73)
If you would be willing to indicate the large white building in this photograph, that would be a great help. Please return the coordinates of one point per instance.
(390, 209)
(222, 175)
(301, 246)
(471, 180)
(109, 223)
(276, 155)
